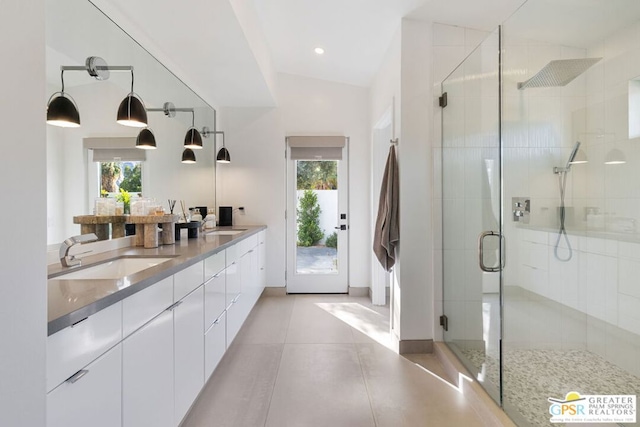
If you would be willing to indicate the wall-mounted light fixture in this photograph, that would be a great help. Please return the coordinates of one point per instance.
(223, 155)
(146, 140)
(188, 156)
(62, 110)
(192, 139)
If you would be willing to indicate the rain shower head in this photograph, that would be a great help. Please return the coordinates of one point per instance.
(559, 72)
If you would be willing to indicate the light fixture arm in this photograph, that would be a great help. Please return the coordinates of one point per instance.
(206, 132)
(170, 110)
(98, 68)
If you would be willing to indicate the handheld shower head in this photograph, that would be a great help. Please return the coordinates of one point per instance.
(573, 155)
(573, 159)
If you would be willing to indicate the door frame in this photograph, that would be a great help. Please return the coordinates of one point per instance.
(317, 283)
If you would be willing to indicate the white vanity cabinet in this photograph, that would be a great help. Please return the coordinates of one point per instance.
(143, 361)
(189, 351)
(262, 260)
(91, 397)
(147, 374)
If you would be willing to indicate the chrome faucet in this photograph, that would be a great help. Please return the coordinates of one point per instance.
(70, 260)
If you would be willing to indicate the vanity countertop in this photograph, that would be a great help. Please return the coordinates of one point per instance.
(70, 301)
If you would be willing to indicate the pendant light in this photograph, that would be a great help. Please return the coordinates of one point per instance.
(131, 111)
(223, 155)
(615, 157)
(146, 140)
(62, 109)
(193, 139)
(188, 156)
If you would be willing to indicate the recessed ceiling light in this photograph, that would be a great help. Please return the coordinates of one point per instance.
(319, 50)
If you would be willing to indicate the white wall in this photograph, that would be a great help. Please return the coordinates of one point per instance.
(256, 177)
(415, 269)
(23, 252)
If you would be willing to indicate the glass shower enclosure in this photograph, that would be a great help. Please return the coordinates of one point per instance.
(540, 207)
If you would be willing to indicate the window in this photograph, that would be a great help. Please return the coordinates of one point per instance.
(117, 175)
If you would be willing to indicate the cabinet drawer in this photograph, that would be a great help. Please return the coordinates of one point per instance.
(72, 348)
(235, 318)
(214, 345)
(143, 306)
(187, 280)
(247, 244)
(188, 350)
(91, 398)
(214, 265)
(214, 298)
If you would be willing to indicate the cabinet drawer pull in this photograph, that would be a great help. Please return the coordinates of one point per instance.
(75, 377)
(173, 306)
(78, 322)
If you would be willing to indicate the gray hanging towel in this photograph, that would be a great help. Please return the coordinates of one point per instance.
(387, 232)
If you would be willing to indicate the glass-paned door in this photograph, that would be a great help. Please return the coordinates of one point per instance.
(317, 224)
(471, 201)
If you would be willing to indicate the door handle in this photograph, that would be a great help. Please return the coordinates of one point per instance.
(502, 251)
(341, 227)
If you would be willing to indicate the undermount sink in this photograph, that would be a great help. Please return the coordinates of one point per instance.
(114, 269)
(226, 232)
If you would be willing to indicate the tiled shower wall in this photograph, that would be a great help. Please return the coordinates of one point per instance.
(540, 126)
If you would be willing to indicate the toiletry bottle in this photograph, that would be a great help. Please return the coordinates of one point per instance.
(196, 215)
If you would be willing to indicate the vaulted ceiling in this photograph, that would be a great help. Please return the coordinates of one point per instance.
(230, 51)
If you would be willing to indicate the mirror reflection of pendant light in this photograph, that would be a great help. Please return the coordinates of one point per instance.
(223, 155)
(62, 109)
(146, 140)
(131, 111)
(580, 158)
(188, 156)
(192, 139)
(615, 157)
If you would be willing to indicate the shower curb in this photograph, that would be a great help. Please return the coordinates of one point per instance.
(487, 409)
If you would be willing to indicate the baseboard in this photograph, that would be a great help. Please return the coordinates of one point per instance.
(358, 292)
(415, 346)
(274, 292)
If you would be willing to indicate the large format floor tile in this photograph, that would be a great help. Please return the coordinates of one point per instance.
(239, 391)
(324, 360)
(320, 385)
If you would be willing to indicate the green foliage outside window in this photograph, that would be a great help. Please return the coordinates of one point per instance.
(309, 232)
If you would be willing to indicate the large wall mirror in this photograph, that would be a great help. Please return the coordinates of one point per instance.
(76, 30)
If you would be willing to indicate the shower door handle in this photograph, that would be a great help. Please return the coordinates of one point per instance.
(483, 267)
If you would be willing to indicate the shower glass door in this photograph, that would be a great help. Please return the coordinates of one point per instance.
(471, 201)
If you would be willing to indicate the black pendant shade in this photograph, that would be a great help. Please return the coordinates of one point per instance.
(62, 112)
(193, 139)
(223, 156)
(131, 112)
(146, 140)
(188, 156)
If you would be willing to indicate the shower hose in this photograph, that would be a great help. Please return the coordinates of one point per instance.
(562, 181)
